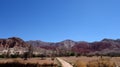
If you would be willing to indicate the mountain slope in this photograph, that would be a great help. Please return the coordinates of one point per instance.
(79, 47)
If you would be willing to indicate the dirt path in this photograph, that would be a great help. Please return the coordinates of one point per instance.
(64, 63)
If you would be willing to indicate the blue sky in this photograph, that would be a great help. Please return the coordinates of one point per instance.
(57, 20)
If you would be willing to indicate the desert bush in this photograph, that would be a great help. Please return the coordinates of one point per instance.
(113, 54)
(52, 58)
(72, 54)
(2, 56)
(14, 56)
(36, 55)
(90, 55)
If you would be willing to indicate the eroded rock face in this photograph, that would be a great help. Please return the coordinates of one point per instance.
(12, 42)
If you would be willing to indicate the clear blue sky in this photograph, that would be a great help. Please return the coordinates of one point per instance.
(57, 20)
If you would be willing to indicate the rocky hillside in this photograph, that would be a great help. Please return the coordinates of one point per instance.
(105, 45)
(66, 44)
(12, 42)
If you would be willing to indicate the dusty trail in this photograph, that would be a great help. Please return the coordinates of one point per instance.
(64, 63)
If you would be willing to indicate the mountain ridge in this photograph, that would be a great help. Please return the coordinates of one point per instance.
(83, 46)
(80, 47)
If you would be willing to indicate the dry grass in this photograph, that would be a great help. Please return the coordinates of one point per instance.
(33, 62)
(93, 61)
(77, 59)
(80, 64)
(100, 63)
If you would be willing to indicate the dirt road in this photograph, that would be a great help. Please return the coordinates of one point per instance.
(64, 63)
